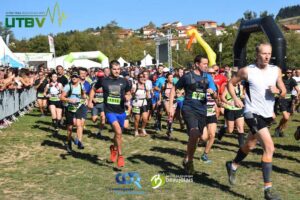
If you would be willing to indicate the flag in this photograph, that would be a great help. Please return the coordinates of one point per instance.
(51, 44)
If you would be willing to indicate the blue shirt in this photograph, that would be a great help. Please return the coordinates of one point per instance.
(195, 91)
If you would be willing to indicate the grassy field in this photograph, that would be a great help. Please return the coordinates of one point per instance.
(35, 165)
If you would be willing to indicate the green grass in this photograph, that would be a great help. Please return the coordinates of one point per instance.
(35, 165)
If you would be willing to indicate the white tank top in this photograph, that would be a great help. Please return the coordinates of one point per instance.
(260, 100)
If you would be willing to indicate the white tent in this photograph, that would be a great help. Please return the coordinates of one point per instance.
(7, 57)
(122, 62)
(146, 61)
(83, 63)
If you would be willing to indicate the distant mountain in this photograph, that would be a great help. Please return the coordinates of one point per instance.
(287, 12)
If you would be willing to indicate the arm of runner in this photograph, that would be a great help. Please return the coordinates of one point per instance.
(171, 100)
(91, 95)
(241, 75)
(46, 89)
(281, 90)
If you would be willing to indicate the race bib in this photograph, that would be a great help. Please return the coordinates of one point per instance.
(114, 100)
(136, 110)
(73, 108)
(54, 98)
(198, 95)
(41, 95)
(211, 111)
(288, 96)
(99, 100)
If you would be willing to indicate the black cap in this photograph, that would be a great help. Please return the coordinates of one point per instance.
(75, 74)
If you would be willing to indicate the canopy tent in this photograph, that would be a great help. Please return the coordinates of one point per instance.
(35, 59)
(147, 61)
(87, 55)
(122, 62)
(7, 57)
(84, 63)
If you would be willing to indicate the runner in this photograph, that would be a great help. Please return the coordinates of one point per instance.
(40, 85)
(116, 91)
(211, 122)
(140, 105)
(286, 104)
(98, 105)
(234, 115)
(53, 90)
(166, 91)
(75, 96)
(296, 99)
(196, 84)
(259, 102)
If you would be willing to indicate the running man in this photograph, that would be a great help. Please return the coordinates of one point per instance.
(116, 91)
(196, 84)
(262, 79)
(286, 104)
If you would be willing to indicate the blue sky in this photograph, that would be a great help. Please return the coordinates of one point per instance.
(135, 13)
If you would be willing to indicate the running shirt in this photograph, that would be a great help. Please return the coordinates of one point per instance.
(211, 110)
(297, 79)
(195, 87)
(259, 99)
(98, 97)
(54, 91)
(76, 91)
(238, 93)
(114, 90)
(289, 85)
(220, 80)
(140, 95)
(167, 90)
(62, 79)
(41, 88)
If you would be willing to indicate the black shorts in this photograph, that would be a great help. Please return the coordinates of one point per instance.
(57, 104)
(149, 104)
(142, 110)
(211, 119)
(79, 114)
(285, 105)
(97, 109)
(232, 115)
(194, 120)
(258, 122)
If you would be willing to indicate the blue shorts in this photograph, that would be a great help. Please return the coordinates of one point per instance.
(112, 117)
(155, 98)
(179, 104)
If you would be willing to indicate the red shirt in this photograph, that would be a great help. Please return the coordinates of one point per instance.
(220, 80)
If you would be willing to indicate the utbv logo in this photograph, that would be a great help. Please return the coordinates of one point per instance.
(129, 178)
(33, 19)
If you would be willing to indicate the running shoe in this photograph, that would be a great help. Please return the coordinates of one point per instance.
(277, 132)
(231, 173)
(80, 145)
(69, 147)
(205, 159)
(221, 133)
(113, 153)
(271, 194)
(121, 161)
(188, 167)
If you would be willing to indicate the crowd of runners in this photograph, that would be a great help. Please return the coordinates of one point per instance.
(196, 98)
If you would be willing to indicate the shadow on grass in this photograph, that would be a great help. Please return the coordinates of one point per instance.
(78, 155)
(170, 168)
(287, 147)
(277, 169)
(163, 136)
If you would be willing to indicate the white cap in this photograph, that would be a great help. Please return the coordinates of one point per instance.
(166, 69)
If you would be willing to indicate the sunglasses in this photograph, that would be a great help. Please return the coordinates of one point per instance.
(212, 72)
(288, 72)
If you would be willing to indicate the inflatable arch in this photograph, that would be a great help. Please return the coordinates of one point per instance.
(88, 55)
(210, 53)
(275, 36)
